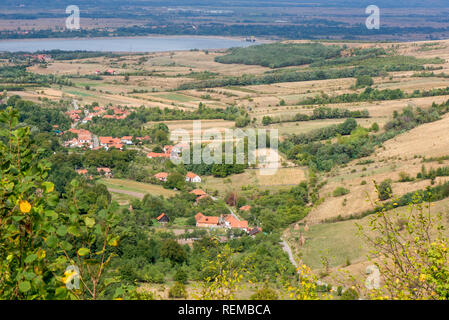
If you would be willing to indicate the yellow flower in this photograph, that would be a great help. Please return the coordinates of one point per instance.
(67, 276)
(25, 206)
(422, 277)
(114, 243)
(41, 254)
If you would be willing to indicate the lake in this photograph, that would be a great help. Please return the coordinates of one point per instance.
(141, 44)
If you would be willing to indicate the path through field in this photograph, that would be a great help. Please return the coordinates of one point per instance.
(288, 250)
(130, 193)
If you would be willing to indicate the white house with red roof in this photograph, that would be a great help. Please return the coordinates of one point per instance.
(193, 177)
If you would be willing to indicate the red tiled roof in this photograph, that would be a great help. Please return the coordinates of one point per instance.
(191, 175)
(157, 155)
(116, 145)
(160, 217)
(198, 192)
(204, 196)
(81, 171)
(161, 175)
(107, 170)
(234, 223)
(202, 219)
(245, 208)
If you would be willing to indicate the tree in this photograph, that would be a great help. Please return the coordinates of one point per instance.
(42, 235)
(242, 121)
(385, 190)
(173, 251)
(181, 276)
(412, 256)
(175, 180)
(178, 291)
(364, 81)
(223, 275)
(374, 127)
(266, 120)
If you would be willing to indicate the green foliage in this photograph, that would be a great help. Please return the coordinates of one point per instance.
(340, 191)
(265, 293)
(385, 190)
(181, 276)
(178, 290)
(349, 294)
(42, 234)
(276, 55)
(364, 81)
(173, 251)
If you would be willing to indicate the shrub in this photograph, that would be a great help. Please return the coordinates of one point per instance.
(340, 191)
(404, 177)
(374, 127)
(385, 190)
(265, 293)
(177, 291)
(364, 81)
(349, 294)
(181, 276)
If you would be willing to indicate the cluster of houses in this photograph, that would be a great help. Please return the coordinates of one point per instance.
(190, 177)
(84, 116)
(169, 151)
(226, 222)
(104, 171)
(85, 139)
(38, 57)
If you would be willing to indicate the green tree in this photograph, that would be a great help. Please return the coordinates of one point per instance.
(385, 190)
(173, 251)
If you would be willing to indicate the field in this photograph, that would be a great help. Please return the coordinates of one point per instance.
(135, 189)
(284, 178)
(184, 80)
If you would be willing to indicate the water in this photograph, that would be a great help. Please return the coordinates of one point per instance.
(146, 44)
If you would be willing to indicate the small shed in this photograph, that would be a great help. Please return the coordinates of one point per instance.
(163, 218)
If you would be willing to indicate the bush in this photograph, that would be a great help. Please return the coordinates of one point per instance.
(385, 190)
(177, 291)
(364, 81)
(340, 191)
(404, 177)
(350, 294)
(265, 293)
(181, 276)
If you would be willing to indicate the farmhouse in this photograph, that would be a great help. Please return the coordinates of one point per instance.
(229, 221)
(163, 218)
(127, 140)
(203, 221)
(193, 177)
(232, 222)
(106, 171)
(245, 208)
(198, 192)
(161, 176)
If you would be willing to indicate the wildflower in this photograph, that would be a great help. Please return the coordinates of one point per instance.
(24, 206)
